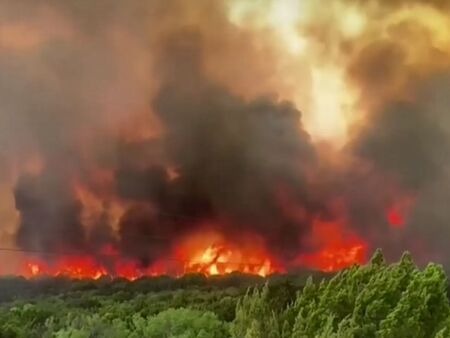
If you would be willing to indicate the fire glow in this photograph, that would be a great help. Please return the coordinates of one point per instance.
(213, 260)
(339, 249)
(299, 135)
(209, 255)
(208, 252)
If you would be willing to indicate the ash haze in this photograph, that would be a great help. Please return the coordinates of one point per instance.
(307, 129)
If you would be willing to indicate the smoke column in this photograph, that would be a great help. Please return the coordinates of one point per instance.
(276, 129)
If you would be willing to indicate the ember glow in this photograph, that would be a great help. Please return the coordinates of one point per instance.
(395, 218)
(218, 259)
(73, 266)
(398, 213)
(211, 254)
(337, 248)
(207, 254)
(217, 136)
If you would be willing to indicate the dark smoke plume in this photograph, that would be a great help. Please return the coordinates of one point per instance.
(230, 156)
(158, 107)
(410, 141)
(50, 216)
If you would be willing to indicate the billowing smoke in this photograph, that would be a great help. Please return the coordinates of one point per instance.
(230, 156)
(135, 124)
(409, 141)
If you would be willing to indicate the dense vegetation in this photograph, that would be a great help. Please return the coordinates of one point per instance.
(375, 300)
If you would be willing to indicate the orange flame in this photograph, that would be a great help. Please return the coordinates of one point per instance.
(338, 248)
(219, 259)
(208, 254)
(72, 266)
(211, 254)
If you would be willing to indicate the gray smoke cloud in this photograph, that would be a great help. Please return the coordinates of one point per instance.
(70, 91)
(230, 155)
(409, 140)
(162, 97)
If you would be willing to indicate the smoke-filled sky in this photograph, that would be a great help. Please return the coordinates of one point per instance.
(126, 121)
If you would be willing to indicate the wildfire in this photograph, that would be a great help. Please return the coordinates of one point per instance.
(337, 257)
(208, 253)
(338, 248)
(211, 254)
(72, 266)
(218, 259)
(88, 267)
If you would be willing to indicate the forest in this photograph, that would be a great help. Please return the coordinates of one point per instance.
(374, 300)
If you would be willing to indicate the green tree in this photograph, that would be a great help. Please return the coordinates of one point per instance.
(179, 323)
(422, 308)
(254, 314)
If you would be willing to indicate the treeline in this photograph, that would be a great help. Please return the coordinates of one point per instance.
(376, 300)
(13, 287)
